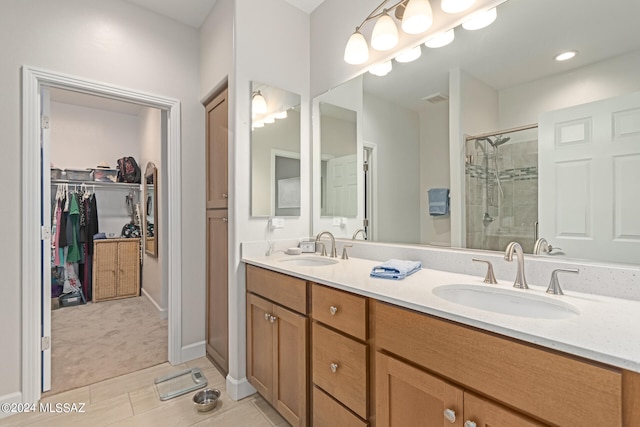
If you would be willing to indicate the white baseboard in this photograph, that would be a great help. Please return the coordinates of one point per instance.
(194, 351)
(164, 313)
(10, 398)
(239, 389)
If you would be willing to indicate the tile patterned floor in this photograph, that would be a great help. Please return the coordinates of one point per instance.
(131, 400)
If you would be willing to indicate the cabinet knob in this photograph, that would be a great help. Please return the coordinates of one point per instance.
(333, 310)
(450, 415)
(333, 367)
(469, 424)
(272, 319)
(266, 316)
(225, 196)
(225, 219)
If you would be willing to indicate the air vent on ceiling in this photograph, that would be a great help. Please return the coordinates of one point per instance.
(435, 98)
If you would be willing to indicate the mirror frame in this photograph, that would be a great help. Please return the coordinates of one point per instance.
(151, 172)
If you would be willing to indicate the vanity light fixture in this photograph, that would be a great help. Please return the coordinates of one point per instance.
(416, 17)
(565, 55)
(258, 124)
(269, 119)
(280, 114)
(258, 103)
(480, 20)
(381, 70)
(441, 39)
(456, 6)
(409, 55)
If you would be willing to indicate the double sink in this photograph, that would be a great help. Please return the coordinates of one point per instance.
(491, 298)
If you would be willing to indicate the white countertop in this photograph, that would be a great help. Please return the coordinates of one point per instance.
(607, 329)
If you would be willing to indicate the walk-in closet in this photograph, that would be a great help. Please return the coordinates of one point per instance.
(108, 299)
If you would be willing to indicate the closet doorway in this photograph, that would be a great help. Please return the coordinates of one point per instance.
(108, 300)
(37, 85)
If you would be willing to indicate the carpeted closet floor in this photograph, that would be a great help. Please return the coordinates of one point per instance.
(96, 341)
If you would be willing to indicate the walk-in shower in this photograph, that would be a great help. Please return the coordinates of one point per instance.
(501, 202)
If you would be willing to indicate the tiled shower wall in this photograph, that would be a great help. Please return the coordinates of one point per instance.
(514, 212)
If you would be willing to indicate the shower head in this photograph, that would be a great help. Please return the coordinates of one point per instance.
(496, 142)
(500, 140)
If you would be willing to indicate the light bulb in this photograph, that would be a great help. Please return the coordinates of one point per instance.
(269, 119)
(418, 17)
(441, 39)
(281, 114)
(357, 51)
(385, 34)
(480, 20)
(456, 6)
(381, 70)
(258, 103)
(409, 55)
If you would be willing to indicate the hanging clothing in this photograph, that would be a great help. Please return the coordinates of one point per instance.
(74, 254)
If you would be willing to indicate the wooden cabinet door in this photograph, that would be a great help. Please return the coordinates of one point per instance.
(290, 390)
(217, 151)
(480, 412)
(128, 268)
(407, 396)
(105, 270)
(217, 288)
(260, 348)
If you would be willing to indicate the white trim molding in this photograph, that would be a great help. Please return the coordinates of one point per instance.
(239, 389)
(9, 398)
(194, 351)
(32, 80)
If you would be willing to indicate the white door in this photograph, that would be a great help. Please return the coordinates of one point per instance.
(589, 158)
(342, 186)
(45, 147)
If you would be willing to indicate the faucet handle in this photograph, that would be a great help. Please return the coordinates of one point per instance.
(489, 277)
(345, 255)
(324, 249)
(554, 285)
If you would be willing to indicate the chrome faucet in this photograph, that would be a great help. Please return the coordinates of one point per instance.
(334, 252)
(359, 231)
(521, 281)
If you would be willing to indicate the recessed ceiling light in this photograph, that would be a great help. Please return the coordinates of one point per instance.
(565, 55)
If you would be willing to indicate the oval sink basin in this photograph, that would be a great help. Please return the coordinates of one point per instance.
(507, 301)
(309, 261)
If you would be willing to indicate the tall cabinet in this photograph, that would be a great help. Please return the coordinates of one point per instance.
(217, 231)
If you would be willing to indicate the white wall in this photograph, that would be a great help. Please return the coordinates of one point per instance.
(154, 282)
(396, 133)
(522, 105)
(83, 137)
(434, 171)
(230, 50)
(119, 44)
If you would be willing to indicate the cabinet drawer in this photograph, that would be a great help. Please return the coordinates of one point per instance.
(285, 290)
(329, 413)
(559, 389)
(339, 367)
(341, 310)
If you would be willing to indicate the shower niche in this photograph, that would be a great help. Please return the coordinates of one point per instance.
(501, 189)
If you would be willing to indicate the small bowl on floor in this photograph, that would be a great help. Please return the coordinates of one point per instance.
(205, 400)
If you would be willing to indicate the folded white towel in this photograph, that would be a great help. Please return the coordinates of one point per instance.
(395, 269)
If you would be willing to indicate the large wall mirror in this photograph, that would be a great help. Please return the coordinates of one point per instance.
(151, 210)
(275, 151)
(531, 146)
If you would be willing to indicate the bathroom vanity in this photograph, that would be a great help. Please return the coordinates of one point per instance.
(346, 349)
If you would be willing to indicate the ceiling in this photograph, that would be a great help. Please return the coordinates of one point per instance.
(194, 12)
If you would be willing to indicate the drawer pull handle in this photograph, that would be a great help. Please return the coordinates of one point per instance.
(450, 415)
(333, 310)
(333, 367)
(469, 424)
